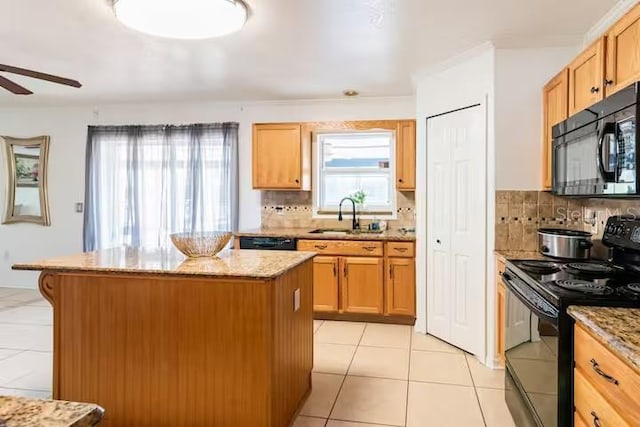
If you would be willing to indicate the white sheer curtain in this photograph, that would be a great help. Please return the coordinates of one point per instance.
(146, 182)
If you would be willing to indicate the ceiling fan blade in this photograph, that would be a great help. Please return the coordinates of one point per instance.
(14, 87)
(39, 75)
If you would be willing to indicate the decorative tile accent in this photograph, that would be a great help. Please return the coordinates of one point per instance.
(294, 209)
(519, 214)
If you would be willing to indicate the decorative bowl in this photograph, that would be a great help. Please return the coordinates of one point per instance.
(201, 244)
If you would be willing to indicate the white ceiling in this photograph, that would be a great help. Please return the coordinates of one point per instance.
(289, 49)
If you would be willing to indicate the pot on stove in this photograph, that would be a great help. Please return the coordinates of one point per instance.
(563, 243)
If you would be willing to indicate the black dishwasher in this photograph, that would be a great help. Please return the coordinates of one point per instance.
(268, 243)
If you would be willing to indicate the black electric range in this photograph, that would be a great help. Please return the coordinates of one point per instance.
(539, 332)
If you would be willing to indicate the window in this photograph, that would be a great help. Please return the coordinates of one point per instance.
(146, 182)
(348, 162)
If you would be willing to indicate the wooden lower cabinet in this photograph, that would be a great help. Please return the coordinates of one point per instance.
(325, 284)
(500, 312)
(401, 286)
(362, 285)
(363, 280)
(606, 388)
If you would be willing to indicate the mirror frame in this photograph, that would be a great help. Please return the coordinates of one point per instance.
(41, 142)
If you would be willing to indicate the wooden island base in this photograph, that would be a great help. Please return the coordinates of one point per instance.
(171, 350)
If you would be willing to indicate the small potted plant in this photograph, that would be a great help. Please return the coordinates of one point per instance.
(359, 198)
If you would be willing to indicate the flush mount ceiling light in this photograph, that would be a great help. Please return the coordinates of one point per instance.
(350, 92)
(182, 19)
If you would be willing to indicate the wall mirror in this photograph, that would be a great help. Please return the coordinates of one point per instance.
(27, 199)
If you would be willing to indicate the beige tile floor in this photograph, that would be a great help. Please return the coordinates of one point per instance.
(365, 374)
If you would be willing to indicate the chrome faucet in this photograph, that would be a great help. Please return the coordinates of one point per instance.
(354, 224)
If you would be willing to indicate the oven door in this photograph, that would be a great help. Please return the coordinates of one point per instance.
(531, 356)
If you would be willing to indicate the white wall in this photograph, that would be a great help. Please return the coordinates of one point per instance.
(67, 127)
(465, 80)
(520, 75)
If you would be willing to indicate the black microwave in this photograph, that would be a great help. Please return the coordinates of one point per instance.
(595, 151)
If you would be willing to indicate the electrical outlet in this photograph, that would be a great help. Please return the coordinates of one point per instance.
(296, 300)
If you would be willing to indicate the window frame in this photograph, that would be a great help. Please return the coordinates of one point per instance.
(322, 212)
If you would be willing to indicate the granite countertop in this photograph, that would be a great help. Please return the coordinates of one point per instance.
(24, 412)
(505, 255)
(304, 233)
(228, 263)
(617, 328)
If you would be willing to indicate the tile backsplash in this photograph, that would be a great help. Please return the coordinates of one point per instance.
(520, 213)
(294, 209)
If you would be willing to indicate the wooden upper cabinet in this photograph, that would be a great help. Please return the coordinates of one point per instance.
(406, 155)
(325, 284)
(623, 52)
(362, 285)
(277, 156)
(401, 286)
(586, 75)
(555, 105)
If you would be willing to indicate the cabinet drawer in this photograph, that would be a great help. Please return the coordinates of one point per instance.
(590, 405)
(341, 247)
(616, 381)
(400, 249)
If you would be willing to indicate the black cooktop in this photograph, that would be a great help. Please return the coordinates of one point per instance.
(575, 282)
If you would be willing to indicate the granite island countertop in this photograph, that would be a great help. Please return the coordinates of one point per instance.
(24, 412)
(617, 328)
(228, 263)
(305, 233)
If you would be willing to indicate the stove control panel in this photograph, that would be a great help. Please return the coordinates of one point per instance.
(622, 232)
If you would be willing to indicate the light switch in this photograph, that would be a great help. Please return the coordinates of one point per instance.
(79, 207)
(296, 300)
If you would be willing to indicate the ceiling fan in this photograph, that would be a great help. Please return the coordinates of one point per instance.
(20, 90)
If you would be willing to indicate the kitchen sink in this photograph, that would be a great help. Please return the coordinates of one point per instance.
(335, 231)
(343, 231)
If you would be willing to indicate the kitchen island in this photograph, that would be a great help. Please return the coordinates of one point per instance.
(160, 340)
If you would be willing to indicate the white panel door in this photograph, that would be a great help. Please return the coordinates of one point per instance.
(456, 207)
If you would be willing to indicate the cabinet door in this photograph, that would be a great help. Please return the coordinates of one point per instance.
(277, 156)
(586, 74)
(325, 284)
(623, 52)
(555, 104)
(362, 281)
(401, 286)
(500, 312)
(406, 155)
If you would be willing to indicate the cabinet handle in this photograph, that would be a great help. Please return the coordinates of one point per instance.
(346, 270)
(400, 249)
(608, 82)
(595, 89)
(369, 248)
(391, 272)
(335, 271)
(596, 419)
(596, 367)
(321, 247)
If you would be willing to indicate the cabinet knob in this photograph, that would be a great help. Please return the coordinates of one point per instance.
(401, 180)
(595, 89)
(297, 181)
(438, 241)
(608, 82)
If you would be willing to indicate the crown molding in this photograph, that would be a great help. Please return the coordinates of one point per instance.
(610, 18)
(474, 52)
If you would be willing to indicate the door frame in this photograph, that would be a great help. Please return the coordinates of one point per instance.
(485, 210)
